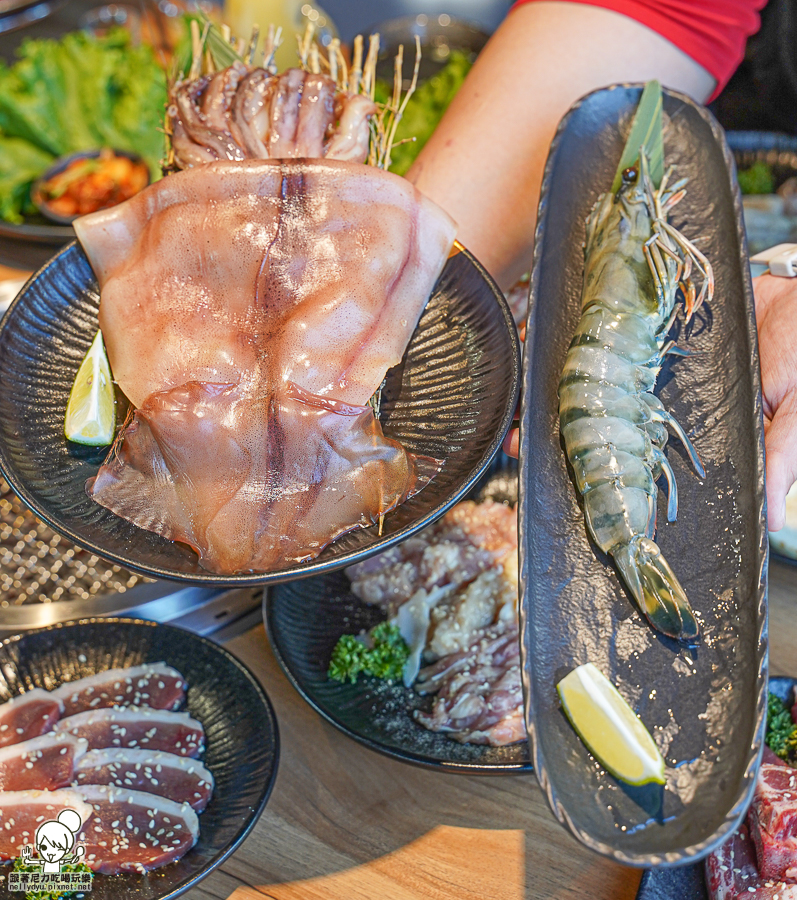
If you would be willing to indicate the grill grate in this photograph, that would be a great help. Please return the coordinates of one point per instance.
(37, 565)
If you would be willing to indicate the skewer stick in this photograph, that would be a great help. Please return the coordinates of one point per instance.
(369, 69)
(273, 42)
(391, 136)
(343, 68)
(334, 48)
(196, 51)
(315, 63)
(357, 65)
(249, 55)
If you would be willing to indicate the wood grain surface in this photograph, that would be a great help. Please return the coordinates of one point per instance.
(344, 823)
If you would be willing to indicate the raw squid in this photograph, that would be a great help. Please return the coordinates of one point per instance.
(452, 590)
(250, 310)
(248, 113)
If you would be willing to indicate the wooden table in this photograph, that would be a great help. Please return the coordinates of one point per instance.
(344, 823)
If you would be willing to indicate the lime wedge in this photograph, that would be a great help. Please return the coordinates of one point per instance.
(91, 411)
(609, 727)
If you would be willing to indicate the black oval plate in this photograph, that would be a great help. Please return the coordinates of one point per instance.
(452, 398)
(708, 704)
(240, 727)
(689, 882)
(305, 619)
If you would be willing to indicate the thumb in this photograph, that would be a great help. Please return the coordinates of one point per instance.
(781, 445)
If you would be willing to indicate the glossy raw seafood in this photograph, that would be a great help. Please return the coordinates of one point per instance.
(153, 684)
(21, 813)
(29, 715)
(251, 310)
(178, 778)
(137, 727)
(614, 428)
(248, 113)
(40, 764)
(132, 831)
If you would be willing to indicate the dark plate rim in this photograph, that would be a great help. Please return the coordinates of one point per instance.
(39, 234)
(302, 570)
(649, 874)
(212, 647)
(405, 756)
(734, 816)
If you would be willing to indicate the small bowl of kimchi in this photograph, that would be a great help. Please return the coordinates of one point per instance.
(85, 182)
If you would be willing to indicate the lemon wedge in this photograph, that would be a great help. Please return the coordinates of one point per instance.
(91, 411)
(609, 727)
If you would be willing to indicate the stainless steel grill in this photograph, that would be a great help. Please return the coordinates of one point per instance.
(39, 566)
(44, 578)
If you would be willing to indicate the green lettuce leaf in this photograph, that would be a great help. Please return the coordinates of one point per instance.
(78, 93)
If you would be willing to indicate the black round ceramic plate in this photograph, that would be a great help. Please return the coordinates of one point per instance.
(689, 882)
(240, 727)
(305, 619)
(39, 230)
(575, 609)
(452, 398)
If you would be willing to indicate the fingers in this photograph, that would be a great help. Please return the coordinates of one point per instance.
(512, 442)
(781, 445)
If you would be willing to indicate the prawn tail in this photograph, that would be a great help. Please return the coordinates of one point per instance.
(655, 588)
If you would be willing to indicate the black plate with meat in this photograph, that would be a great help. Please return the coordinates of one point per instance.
(304, 621)
(706, 704)
(689, 882)
(452, 398)
(242, 743)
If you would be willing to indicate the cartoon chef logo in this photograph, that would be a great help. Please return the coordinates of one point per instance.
(54, 842)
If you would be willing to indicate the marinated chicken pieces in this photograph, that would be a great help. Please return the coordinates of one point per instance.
(452, 591)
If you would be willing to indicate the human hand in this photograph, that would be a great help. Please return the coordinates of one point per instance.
(776, 315)
(512, 439)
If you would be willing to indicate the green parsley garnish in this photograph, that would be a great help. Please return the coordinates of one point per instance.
(758, 179)
(781, 734)
(381, 653)
(20, 866)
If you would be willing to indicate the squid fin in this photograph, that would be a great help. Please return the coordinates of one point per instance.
(656, 589)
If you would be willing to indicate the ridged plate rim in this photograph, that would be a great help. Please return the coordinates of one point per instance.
(207, 646)
(303, 570)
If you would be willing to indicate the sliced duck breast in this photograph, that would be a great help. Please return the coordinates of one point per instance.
(21, 813)
(178, 778)
(152, 684)
(41, 764)
(33, 713)
(137, 727)
(133, 831)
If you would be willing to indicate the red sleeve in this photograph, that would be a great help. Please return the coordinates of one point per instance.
(712, 32)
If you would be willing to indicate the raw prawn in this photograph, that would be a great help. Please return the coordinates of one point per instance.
(614, 428)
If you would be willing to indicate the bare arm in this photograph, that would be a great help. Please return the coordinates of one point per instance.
(484, 162)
